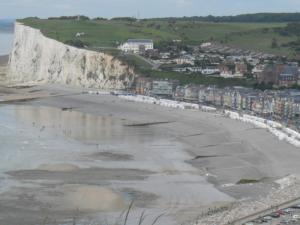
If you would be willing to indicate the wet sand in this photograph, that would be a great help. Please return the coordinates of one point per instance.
(4, 60)
(180, 168)
(3, 67)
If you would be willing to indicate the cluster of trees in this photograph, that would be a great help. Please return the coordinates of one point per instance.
(124, 19)
(294, 45)
(100, 19)
(290, 29)
(263, 86)
(247, 18)
(170, 46)
(76, 43)
(80, 17)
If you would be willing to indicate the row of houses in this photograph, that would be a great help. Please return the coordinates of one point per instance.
(281, 105)
(211, 47)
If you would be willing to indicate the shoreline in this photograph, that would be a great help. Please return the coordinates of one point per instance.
(283, 133)
(222, 150)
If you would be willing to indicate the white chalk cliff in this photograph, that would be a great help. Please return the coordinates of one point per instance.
(36, 58)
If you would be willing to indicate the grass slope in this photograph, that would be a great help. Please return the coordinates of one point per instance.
(109, 33)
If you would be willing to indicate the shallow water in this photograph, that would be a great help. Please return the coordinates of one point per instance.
(144, 163)
(24, 146)
(6, 40)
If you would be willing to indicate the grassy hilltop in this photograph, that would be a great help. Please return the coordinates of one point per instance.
(108, 33)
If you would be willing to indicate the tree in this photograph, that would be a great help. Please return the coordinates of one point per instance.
(76, 43)
(274, 43)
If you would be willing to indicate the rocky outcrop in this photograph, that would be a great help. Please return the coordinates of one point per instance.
(36, 58)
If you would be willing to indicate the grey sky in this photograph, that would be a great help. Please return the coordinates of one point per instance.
(145, 8)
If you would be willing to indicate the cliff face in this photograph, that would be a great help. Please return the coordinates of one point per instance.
(36, 58)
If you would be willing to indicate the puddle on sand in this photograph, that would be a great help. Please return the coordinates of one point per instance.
(77, 125)
(85, 198)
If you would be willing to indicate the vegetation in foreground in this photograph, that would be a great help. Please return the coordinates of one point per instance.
(251, 181)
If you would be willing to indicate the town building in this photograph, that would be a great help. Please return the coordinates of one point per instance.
(210, 70)
(288, 76)
(191, 93)
(137, 45)
(257, 70)
(240, 69)
(185, 60)
(225, 71)
(203, 93)
(279, 74)
(179, 93)
(143, 85)
(164, 87)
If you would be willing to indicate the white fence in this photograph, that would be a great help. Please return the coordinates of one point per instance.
(282, 133)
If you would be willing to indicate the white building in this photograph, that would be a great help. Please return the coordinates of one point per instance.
(227, 74)
(79, 34)
(137, 45)
(206, 44)
(210, 71)
(186, 59)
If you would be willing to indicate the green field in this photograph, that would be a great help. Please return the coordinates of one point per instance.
(109, 33)
(262, 41)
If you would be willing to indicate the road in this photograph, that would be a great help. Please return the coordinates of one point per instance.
(265, 212)
(154, 66)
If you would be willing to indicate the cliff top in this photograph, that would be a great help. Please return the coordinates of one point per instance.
(110, 33)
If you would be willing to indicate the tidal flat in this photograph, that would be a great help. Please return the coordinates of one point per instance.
(72, 154)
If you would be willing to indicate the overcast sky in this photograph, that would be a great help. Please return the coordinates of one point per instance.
(143, 8)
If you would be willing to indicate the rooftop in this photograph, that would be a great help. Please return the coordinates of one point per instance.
(140, 41)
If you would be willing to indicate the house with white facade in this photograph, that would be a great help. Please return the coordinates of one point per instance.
(185, 59)
(137, 45)
(210, 70)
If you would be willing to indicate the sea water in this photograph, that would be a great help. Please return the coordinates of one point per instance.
(6, 37)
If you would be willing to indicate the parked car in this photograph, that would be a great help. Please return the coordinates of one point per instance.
(268, 218)
(296, 206)
(281, 212)
(297, 217)
(288, 210)
(264, 220)
(249, 223)
(275, 215)
(259, 221)
(286, 221)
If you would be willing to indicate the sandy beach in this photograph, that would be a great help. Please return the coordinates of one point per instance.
(72, 153)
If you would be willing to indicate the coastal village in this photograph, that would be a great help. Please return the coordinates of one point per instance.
(281, 103)
(88, 132)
